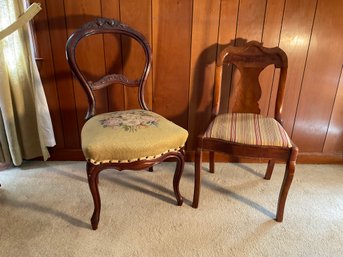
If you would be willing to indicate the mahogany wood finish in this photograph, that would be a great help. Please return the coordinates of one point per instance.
(250, 59)
(94, 170)
(110, 26)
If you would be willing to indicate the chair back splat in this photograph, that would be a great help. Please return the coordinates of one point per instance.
(250, 60)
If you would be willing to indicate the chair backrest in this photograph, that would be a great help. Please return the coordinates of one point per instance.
(107, 26)
(250, 59)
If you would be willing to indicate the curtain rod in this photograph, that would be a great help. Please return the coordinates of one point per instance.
(22, 20)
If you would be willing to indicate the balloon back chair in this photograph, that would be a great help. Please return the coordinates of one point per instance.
(244, 132)
(123, 140)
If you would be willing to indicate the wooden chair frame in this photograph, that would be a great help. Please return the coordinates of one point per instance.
(109, 26)
(250, 55)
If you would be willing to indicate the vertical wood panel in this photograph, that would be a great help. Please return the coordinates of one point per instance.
(272, 23)
(249, 27)
(89, 54)
(227, 23)
(47, 73)
(172, 23)
(270, 38)
(295, 36)
(137, 14)
(203, 57)
(113, 58)
(250, 20)
(334, 138)
(58, 38)
(185, 44)
(226, 37)
(315, 106)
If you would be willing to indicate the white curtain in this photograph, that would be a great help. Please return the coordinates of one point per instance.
(25, 124)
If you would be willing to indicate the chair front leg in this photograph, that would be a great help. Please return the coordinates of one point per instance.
(197, 178)
(93, 180)
(287, 181)
(270, 169)
(180, 163)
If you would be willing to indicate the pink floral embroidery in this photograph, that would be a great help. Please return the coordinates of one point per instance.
(130, 120)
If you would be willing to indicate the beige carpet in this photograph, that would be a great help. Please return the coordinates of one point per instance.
(45, 210)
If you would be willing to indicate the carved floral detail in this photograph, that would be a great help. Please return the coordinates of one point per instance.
(104, 23)
(112, 78)
(130, 121)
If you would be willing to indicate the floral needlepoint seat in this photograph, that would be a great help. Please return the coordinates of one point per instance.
(128, 136)
(123, 140)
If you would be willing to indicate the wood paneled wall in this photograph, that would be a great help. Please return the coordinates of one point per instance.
(186, 36)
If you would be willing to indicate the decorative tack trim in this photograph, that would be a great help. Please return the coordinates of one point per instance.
(96, 162)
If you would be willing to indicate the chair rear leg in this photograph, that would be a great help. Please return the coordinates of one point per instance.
(180, 163)
(197, 169)
(270, 169)
(93, 179)
(287, 181)
(212, 161)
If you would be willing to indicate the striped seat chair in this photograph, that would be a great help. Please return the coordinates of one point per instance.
(244, 132)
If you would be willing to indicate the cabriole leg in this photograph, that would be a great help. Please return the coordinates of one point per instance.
(180, 163)
(93, 178)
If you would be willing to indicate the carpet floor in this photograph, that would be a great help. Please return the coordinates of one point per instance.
(45, 209)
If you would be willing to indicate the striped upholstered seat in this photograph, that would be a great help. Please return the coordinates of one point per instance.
(248, 128)
(243, 133)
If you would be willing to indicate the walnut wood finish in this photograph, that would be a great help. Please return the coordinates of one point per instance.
(250, 60)
(300, 27)
(111, 26)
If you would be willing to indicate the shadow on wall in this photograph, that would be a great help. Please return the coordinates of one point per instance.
(197, 114)
(86, 64)
(202, 94)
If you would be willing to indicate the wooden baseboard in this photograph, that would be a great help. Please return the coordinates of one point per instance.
(305, 158)
(66, 155)
(320, 158)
